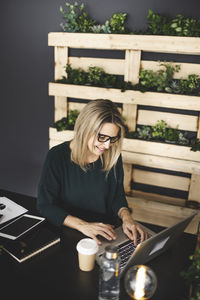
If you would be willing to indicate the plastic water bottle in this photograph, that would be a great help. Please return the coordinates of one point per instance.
(109, 282)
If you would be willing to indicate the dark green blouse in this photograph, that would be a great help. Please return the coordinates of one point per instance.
(64, 184)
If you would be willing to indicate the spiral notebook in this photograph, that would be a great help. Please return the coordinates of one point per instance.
(32, 244)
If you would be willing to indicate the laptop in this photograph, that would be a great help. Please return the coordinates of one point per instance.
(147, 250)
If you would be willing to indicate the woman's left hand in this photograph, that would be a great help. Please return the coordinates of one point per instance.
(133, 230)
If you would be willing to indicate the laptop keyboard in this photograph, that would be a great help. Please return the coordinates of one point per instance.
(125, 251)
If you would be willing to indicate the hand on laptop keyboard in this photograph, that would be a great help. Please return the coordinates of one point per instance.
(94, 230)
(131, 228)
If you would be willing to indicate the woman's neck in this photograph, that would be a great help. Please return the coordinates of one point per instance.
(91, 158)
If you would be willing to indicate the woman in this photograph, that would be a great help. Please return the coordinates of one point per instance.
(87, 173)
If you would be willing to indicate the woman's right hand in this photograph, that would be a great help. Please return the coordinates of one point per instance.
(94, 229)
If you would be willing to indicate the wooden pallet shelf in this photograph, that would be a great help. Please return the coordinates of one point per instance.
(138, 108)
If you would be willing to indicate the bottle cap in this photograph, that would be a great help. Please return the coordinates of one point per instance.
(111, 252)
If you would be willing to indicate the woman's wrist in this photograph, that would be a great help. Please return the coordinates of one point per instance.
(74, 222)
(124, 213)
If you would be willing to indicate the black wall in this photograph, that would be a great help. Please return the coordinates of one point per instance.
(26, 64)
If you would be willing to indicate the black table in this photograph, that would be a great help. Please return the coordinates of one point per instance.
(55, 273)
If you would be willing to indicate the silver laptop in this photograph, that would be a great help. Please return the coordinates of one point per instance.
(148, 249)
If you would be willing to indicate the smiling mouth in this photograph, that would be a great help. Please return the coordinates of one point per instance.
(101, 150)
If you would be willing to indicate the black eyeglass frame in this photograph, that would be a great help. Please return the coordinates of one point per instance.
(113, 139)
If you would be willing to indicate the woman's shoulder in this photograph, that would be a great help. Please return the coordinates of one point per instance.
(59, 150)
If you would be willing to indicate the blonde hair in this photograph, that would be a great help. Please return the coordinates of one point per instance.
(88, 124)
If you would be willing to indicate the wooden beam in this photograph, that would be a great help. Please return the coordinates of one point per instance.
(129, 96)
(151, 43)
(194, 191)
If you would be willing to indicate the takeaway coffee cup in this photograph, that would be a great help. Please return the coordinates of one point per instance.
(87, 249)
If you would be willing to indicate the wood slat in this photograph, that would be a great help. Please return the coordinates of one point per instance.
(194, 191)
(132, 66)
(60, 110)
(166, 44)
(61, 136)
(116, 66)
(109, 65)
(186, 68)
(158, 198)
(166, 163)
(127, 177)
(180, 121)
(130, 115)
(162, 214)
(160, 149)
(129, 96)
(75, 106)
(198, 127)
(61, 59)
(162, 180)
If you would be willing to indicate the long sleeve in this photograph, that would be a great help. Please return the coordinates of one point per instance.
(119, 198)
(48, 200)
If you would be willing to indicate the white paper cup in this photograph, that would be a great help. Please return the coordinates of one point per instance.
(87, 249)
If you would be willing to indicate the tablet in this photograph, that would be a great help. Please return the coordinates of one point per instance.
(20, 226)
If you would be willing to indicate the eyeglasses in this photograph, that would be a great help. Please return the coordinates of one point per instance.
(102, 138)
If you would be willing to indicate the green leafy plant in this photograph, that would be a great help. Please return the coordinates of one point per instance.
(117, 23)
(179, 26)
(144, 133)
(95, 76)
(76, 19)
(182, 26)
(172, 135)
(159, 130)
(182, 139)
(158, 24)
(67, 123)
(195, 145)
(158, 80)
(191, 85)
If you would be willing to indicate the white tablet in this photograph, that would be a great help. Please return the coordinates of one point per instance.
(20, 226)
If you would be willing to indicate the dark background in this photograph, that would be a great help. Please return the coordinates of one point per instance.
(26, 64)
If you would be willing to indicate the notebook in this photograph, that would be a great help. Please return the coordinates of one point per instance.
(148, 249)
(32, 244)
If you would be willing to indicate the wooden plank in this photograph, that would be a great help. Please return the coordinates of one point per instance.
(186, 68)
(129, 96)
(166, 44)
(194, 191)
(162, 214)
(109, 65)
(116, 66)
(198, 127)
(132, 66)
(127, 177)
(166, 163)
(75, 106)
(158, 198)
(160, 149)
(60, 110)
(60, 58)
(159, 179)
(61, 136)
(180, 121)
(130, 115)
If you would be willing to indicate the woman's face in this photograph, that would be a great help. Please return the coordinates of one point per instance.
(96, 148)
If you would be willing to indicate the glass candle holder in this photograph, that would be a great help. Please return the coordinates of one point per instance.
(140, 282)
